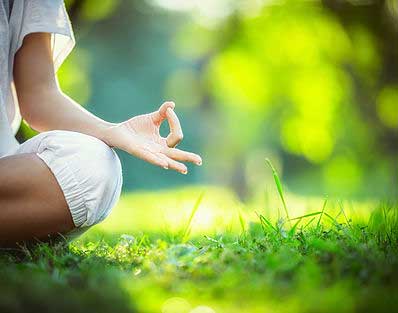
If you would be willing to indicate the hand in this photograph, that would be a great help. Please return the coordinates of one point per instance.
(140, 137)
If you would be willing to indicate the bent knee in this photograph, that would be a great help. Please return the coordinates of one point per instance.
(101, 180)
(88, 171)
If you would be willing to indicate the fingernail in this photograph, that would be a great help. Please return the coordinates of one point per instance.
(166, 167)
(199, 163)
(184, 172)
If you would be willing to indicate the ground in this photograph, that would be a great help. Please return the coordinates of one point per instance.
(200, 250)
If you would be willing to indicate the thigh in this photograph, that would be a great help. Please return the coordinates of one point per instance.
(32, 204)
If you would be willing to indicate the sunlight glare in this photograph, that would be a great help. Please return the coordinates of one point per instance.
(204, 218)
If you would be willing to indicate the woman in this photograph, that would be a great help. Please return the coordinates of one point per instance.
(67, 178)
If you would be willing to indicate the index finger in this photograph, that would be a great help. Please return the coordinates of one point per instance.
(161, 114)
(176, 134)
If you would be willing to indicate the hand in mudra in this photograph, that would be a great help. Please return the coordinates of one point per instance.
(140, 137)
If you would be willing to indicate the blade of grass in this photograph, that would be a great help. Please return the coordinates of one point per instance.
(241, 221)
(265, 221)
(278, 186)
(263, 227)
(292, 231)
(306, 215)
(345, 216)
(195, 208)
(338, 215)
(331, 218)
(323, 210)
(143, 238)
(309, 223)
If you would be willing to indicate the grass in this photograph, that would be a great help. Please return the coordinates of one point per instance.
(337, 258)
(279, 187)
(342, 268)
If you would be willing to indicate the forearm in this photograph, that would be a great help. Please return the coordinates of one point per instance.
(50, 109)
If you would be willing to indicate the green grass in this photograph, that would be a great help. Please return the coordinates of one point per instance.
(336, 266)
(199, 250)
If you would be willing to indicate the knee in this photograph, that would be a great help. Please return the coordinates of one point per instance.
(102, 180)
(90, 175)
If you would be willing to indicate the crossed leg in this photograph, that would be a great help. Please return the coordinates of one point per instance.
(32, 204)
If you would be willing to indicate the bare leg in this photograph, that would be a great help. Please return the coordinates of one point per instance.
(32, 204)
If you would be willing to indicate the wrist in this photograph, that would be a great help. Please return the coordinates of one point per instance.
(105, 132)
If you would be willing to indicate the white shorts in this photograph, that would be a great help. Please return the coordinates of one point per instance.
(87, 170)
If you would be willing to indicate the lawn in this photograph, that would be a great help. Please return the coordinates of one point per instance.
(200, 250)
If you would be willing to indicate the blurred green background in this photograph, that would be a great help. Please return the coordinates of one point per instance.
(313, 85)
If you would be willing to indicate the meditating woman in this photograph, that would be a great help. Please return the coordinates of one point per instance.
(68, 177)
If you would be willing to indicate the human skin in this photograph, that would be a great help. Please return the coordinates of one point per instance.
(32, 204)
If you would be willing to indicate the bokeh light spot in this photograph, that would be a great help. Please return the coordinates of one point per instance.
(238, 79)
(74, 76)
(97, 10)
(387, 106)
(202, 309)
(176, 305)
(342, 174)
(183, 86)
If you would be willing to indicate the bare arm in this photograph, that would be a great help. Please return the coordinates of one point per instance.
(45, 107)
(43, 104)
